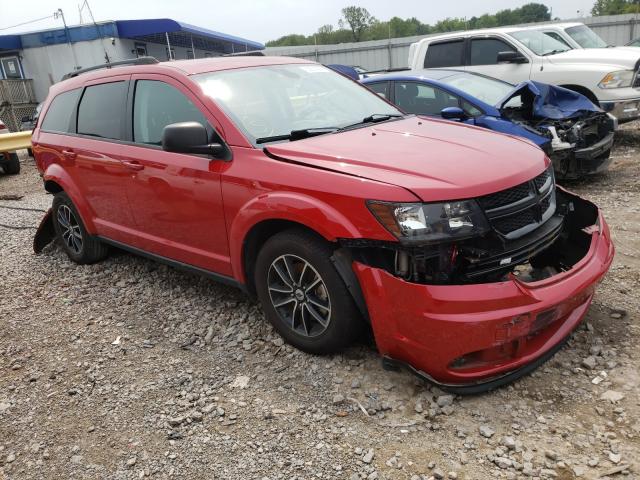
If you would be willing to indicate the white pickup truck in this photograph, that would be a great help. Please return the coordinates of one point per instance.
(607, 76)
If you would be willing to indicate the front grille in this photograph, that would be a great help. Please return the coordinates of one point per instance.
(516, 211)
(506, 197)
(512, 223)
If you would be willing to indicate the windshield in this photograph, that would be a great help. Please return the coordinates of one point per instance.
(269, 101)
(488, 90)
(539, 43)
(585, 37)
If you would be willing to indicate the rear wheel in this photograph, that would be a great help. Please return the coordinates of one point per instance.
(80, 247)
(302, 294)
(11, 164)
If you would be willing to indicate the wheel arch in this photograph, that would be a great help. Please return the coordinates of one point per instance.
(258, 236)
(57, 180)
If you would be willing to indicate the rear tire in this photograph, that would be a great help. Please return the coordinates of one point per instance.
(11, 165)
(302, 294)
(79, 246)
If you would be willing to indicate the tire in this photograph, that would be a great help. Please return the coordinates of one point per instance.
(282, 297)
(79, 246)
(30, 152)
(11, 165)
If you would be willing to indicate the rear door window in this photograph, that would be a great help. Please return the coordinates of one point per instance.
(101, 111)
(158, 104)
(444, 54)
(59, 113)
(484, 51)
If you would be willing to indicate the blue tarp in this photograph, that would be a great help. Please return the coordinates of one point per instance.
(555, 103)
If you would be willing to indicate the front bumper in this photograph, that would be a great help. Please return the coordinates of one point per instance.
(503, 329)
(585, 161)
(624, 110)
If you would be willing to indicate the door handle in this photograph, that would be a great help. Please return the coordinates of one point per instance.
(70, 154)
(133, 165)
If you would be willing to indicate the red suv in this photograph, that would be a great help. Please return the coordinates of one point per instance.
(335, 209)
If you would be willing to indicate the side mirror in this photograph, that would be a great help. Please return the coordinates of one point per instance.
(453, 113)
(511, 57)
(189, 137)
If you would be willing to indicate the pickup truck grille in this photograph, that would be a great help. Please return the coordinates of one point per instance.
(516, 211)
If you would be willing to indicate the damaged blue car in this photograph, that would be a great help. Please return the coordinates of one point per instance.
(574, 132)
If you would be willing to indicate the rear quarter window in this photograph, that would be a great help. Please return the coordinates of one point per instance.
(444, 54)
(59, 113)
(101, 110)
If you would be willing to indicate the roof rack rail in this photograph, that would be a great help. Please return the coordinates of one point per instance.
(250, 53)
(131, 61)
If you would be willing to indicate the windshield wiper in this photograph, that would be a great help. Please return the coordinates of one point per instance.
(553, 52)
(312, 132)
(298, 134)
(374, 118)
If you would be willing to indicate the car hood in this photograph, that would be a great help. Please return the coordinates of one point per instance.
(434, 159)
(620, 57)
(550, 102)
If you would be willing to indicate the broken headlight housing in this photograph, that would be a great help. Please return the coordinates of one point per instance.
(429, 223)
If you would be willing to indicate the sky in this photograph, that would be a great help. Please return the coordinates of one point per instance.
(260, 20)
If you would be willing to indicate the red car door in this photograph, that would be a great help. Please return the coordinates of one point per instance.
(95, 160)
(175, 198)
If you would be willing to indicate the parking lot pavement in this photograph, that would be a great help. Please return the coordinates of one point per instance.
(126, 369)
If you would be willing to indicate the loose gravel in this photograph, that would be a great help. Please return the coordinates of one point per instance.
(128, 369)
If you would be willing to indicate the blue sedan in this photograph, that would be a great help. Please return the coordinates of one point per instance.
(574, 132)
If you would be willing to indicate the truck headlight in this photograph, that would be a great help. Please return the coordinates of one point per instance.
(427, 223)
(619, 79)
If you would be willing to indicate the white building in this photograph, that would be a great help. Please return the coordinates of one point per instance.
(31, 62)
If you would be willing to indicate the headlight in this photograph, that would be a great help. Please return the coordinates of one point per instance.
(619, 79)
(430, 222)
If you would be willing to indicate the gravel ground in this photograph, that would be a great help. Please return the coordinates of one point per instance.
(129, 369)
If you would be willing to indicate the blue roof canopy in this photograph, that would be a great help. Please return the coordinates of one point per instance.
(149, 30)
(10, 42)
(151, 27)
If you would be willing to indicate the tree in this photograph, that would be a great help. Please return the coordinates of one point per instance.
(615, 7)
(534, 12)
(357, 24)
(358, 19)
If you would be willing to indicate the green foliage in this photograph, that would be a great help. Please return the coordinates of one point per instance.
(357, 25)
(615, 7)
(358, 19)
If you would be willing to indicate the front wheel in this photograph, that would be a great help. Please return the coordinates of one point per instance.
(302, 294)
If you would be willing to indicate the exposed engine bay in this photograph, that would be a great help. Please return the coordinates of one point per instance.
(579, 139)
(555, 246)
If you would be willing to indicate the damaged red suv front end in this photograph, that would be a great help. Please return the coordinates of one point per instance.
(487, 322)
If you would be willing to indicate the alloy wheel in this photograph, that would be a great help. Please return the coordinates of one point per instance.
(299, 295)
(70, 229)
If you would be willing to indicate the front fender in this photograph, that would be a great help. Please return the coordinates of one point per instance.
(54, 172)
(290, 206)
